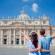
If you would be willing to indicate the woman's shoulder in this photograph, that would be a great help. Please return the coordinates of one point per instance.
(29, 41)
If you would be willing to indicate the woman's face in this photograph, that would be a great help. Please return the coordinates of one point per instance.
(30, 37)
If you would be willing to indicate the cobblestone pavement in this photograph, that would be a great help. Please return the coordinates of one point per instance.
(19, 51)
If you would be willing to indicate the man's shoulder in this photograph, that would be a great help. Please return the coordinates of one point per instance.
(48, 36)
(40, 38)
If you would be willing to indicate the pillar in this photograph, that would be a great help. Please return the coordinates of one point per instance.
(9, 37)
(20, 38)
(14, 37)
(1, 37)
(24, 38)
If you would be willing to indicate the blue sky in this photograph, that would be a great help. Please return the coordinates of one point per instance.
(33, 8)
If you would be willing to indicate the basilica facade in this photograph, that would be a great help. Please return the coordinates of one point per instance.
(10, 29)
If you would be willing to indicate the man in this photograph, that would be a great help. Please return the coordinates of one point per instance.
(45, 41)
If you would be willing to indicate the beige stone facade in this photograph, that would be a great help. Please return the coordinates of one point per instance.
(10, 29)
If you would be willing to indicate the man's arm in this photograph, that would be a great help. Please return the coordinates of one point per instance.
(49, 35)
(44, 50)
(38, 50)
(53, 37)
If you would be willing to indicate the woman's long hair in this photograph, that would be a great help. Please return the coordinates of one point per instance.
(34, 38)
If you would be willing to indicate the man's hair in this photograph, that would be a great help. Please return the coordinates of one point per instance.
(42, 31)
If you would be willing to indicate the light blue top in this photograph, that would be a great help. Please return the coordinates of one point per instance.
(30, 45)
(45, 44)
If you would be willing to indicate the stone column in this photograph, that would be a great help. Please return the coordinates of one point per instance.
(20, 38)
(24, 38)
(14, 37)
(9, 37)
(1, 37)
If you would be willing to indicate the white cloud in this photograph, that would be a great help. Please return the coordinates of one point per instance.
(25, 0)
(34, 7)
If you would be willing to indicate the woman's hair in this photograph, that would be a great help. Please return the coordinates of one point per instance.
(34, 38)
(42, 31)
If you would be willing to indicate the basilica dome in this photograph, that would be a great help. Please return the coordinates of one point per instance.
(24, 16)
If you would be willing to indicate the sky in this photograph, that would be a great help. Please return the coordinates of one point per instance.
(33, 8)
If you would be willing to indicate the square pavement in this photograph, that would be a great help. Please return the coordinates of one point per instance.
(19, 51)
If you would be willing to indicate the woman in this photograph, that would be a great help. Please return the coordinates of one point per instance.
(32, 43)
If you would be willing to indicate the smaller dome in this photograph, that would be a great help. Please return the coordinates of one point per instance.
(45, 17)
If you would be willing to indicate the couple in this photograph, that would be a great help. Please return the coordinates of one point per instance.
(38, 46)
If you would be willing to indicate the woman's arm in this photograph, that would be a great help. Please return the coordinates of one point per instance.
(26, 36)
(35, 49)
